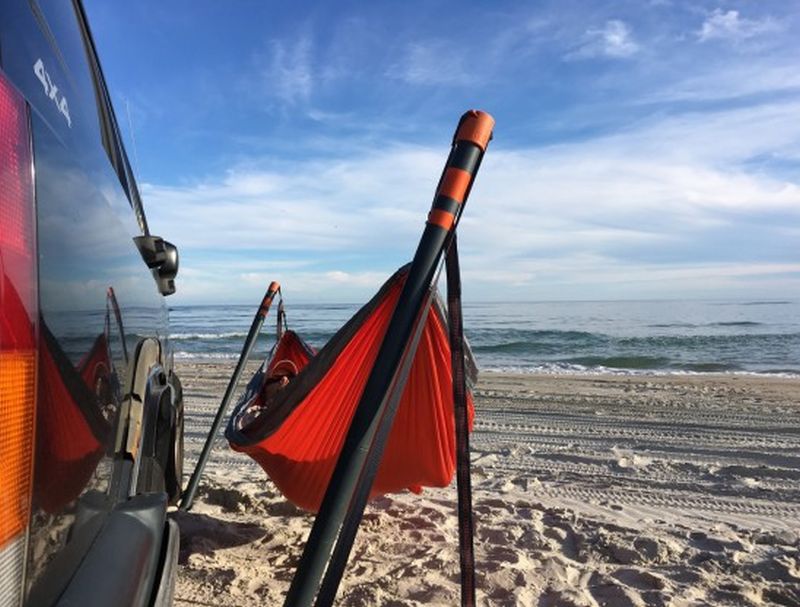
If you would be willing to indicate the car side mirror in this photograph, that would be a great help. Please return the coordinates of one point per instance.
(161, 257)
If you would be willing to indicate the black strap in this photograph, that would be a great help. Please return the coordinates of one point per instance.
(463, 480)
(281, 324)
(341, 552)
(347, 533)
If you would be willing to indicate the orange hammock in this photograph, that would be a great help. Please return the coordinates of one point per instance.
(295, 432)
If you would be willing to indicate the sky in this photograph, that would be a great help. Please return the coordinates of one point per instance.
(643, 150)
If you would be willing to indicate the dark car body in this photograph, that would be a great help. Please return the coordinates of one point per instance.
(93, 443)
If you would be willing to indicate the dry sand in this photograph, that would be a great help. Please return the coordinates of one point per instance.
(588, 490)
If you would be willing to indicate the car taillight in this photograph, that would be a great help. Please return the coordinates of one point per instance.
(18, 336)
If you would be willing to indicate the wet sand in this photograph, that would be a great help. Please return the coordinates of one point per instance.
(588, 491)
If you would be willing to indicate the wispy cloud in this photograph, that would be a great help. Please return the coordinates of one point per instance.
(288, 72)
(754, 78)
(598, 277)
(643, 209)
(730, 25)
(317, 204)
(431, 63)
(613, 40)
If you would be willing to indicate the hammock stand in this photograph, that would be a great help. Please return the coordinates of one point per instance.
(381, 344)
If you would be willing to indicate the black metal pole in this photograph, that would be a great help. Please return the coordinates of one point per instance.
(348, 490)
(249, 342)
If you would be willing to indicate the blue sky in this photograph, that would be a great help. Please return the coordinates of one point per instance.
(642, 149)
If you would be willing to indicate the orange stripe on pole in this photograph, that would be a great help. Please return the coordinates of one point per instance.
(455, 184)
(443, 219)
(476, 127)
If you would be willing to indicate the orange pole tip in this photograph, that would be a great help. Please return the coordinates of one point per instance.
(475, 126)
(268, 296)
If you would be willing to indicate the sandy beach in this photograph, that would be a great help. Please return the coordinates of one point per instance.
(588, 491)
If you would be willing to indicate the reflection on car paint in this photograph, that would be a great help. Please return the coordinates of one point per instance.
(76, 405)
(85, 245)
(71, 432)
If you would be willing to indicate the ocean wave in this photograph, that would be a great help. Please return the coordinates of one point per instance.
(576, 369)
(206, 336)
(636, 347)
(541, 334)
(735, 323)
(205, 355)
(679, 341)
(707, 367)
(517, 341)
(516, 347)
(689, 325)
(777, 302)
(621, 362)
(651, 363)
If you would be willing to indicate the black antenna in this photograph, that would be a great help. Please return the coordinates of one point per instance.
(137, 173)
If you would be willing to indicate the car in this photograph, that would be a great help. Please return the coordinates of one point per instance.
(91, 410)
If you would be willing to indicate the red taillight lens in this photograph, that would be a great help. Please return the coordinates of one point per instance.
(18, 332)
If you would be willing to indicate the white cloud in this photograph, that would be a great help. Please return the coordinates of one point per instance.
(569, 216)
(753, 78)
(729, 25)
(316, 205)
(228, 285)
(431, 63)
(356, 279)
(613, 40)
(598, 277)
(288, 72)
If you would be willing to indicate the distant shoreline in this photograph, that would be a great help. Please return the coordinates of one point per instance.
(685, 338)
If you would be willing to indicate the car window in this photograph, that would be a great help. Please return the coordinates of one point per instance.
(67, 25)
(58, 20)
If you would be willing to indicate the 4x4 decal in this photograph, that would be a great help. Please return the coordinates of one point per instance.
(51, 90)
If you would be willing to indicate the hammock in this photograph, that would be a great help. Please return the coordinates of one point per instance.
(296, 432)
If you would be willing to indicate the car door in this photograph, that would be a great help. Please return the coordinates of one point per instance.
(103, 354)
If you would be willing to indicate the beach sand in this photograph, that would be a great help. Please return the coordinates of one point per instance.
(588, 491)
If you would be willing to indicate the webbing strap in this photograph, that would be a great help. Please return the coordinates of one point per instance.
(281, 324)
(463, 479)
(347, 533)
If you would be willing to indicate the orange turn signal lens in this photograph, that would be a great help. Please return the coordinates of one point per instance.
(17, 394)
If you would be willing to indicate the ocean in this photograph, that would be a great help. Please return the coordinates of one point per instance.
(625, 337)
